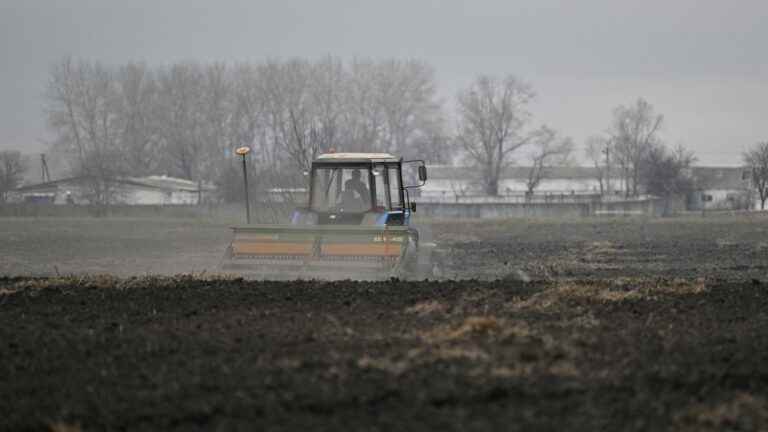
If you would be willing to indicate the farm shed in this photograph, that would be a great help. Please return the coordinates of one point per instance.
(448, 181)
(151, 190)
(715, 187)
(722, 188)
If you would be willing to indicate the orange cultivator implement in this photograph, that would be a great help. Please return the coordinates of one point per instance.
(319, 252)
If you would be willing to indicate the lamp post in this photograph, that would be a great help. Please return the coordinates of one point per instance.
(243, 151)
(607, 152)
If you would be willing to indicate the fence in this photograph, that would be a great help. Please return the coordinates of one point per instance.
(501, 210)
(516, 198)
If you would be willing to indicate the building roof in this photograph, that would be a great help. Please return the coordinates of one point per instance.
(731, 178)
(151, 182)
(704, 177)
(445, 172)
(173, 183)
(356, 157)
(50, 186)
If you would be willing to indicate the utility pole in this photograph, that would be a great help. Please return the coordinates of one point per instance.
(44, 169)
(243, 151)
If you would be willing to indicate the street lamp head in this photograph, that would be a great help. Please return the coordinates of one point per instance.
(242, 151)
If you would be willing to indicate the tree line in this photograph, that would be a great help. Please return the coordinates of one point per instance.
(184, 120)
(632, 153)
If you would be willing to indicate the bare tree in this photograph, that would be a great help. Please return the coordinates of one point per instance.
(83, 111)
(217, 114)
(185, 119)
(434, 145)
(244, 128)
(327, 93)
(364, 115)
(247, 105)
(289, 111)
(756, 158)
(549, 150)
(182, 120)
(598, 152)
(305, 108)
(459, 188)
(492, 115)
(407, 93)
(683, 156)
(392, 106)
(138, 107)
(663, 172)
(635, 131)
(11, 172)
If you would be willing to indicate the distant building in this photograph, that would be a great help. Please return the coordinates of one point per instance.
(151, 190)
(715, 187)
(299, 196)
(722, 188)
(450, 182)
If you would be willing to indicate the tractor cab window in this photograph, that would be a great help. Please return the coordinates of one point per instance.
(393, 178)
(382, 199)
(337, 189)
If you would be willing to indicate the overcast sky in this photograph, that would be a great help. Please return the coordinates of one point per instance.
(703, 64)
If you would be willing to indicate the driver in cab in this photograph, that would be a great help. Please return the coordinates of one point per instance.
(356, 195)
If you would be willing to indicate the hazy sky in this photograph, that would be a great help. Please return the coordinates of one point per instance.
(703, 64)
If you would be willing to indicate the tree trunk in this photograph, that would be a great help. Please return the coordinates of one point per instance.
(635, 178)
(492, 187)
(492, 175)
(626, 184)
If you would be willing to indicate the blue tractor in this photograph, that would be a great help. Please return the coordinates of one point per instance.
(356, 225)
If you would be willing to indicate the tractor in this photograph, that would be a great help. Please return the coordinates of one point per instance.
(357, 224)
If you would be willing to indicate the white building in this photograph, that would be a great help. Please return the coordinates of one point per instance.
(723, 188)
(152, 190)
(449, 182)
(715, 187)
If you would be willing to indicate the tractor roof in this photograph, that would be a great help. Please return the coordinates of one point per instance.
(356, 157)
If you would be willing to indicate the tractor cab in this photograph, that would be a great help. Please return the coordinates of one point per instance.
(358, 189)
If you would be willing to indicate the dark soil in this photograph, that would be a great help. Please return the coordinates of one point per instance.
(735, 248)
(723, 248)
(584, 325)
(191, 354)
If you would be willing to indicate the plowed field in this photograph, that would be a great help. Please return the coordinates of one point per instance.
(607, 325)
